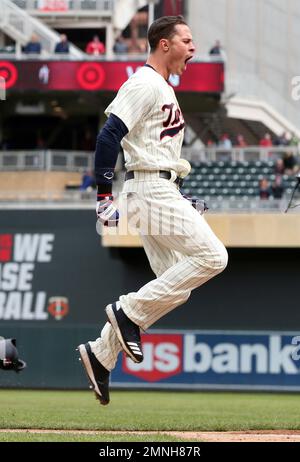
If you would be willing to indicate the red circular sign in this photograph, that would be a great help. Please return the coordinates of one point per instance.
(9, 72)
(90, 76)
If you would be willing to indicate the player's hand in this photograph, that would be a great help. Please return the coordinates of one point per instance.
(106, 212)
(198, 204)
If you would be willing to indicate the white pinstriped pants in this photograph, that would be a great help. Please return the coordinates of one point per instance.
(183, 252)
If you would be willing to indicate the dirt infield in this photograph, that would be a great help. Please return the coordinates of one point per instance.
(286, 436)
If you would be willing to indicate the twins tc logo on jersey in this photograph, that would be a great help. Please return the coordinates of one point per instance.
(174, 122)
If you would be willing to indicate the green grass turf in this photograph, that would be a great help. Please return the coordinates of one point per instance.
(156, 411)
(75, 438)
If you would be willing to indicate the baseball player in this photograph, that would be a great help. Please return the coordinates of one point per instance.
(183, 252)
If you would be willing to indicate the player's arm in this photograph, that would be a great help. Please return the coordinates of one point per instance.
(107, 150)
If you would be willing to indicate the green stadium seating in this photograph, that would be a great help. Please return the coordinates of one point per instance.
(231, 180)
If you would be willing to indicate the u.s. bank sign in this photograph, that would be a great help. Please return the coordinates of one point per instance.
(213, 360)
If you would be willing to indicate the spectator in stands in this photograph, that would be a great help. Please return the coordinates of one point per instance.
(95, 47)
(211, 143)
(290, 163)
(282, 140)
(264, 189)
(279, 166)
(87, 182)
(33, 46)
(266, 140)
(63, 45)
(225, 142)
(277, 187)
(240, 142)
(120, 45)
(218, 51)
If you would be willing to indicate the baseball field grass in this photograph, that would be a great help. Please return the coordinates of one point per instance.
(77, 416)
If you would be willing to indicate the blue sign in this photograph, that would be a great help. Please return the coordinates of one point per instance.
(214, 360)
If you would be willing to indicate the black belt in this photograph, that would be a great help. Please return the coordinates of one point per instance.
(162, 174)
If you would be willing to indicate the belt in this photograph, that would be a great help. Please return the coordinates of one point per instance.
(162, 174)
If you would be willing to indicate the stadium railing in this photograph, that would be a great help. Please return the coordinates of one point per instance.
(78, 161)
(10, 53)
(48, 160)
(246, 154)
(73, 5)
(227, 184)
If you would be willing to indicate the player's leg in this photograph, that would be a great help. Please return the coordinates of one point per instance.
(99, 357)
(203, 256)
(160, 257)
(172, 288)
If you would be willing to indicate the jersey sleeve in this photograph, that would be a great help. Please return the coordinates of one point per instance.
(133, 101)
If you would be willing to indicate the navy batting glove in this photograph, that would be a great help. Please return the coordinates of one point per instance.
(198, 204)
(106, 212)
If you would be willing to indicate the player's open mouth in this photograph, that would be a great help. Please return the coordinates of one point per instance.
(188, 59)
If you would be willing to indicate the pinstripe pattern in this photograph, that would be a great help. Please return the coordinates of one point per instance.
(182, 250)
(181, 261)
(139, 104)
(107, 347)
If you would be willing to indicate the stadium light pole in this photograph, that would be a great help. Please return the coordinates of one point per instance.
(150, 12)
(151, 5)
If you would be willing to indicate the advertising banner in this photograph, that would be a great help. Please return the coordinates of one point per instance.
(102, 76)
(214, 360)
(39, 282)
(56, 279)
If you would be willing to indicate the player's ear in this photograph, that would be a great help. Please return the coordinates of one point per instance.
(164, 44)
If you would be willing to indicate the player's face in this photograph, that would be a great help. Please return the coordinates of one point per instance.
(181, 49)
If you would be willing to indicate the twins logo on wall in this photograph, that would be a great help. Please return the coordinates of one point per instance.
(19, 256)
(214, 360)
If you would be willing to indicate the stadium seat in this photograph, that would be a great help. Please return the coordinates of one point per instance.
(233, 179)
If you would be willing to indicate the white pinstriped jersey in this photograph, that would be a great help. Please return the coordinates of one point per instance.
(147, 105)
